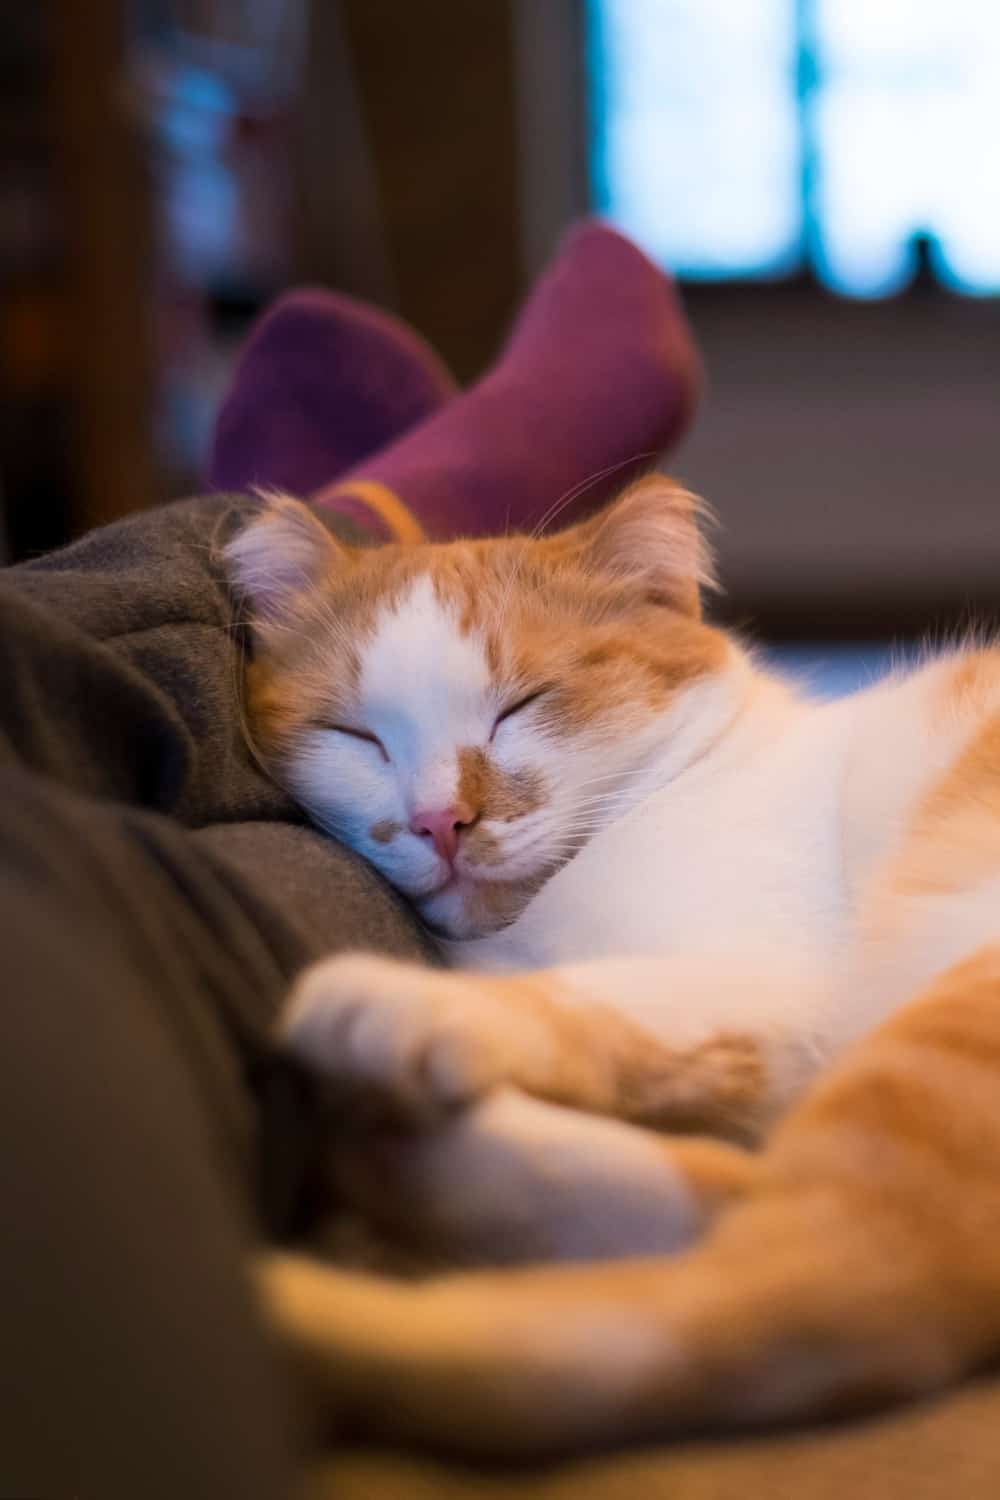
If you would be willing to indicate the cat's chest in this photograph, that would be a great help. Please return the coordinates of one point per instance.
(729, 857)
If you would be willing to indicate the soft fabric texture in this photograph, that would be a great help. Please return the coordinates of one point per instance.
(157, 894)
(599, 375)
(322, 383)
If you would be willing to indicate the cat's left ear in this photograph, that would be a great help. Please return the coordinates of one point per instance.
(281, 555)
(650, 538)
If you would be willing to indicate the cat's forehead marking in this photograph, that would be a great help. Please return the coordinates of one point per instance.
(419, 665)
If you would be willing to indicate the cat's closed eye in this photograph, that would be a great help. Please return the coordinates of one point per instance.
(516, 707)
(331, 726)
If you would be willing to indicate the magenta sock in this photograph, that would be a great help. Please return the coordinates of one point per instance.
(599, 375)
(322, 382)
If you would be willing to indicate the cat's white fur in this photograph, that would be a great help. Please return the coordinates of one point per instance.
(720, 894)
(722, 883)
(733, 836)
(749, 868)
(425, 690)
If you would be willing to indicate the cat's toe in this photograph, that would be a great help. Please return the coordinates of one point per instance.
(456, 1066)
(394, 1030)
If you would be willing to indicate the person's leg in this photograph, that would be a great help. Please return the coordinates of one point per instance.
(121, 667)
(132, 1364)
(118, 668)
(119, 679)
(322, 383)
(143, 965)
(599, 377)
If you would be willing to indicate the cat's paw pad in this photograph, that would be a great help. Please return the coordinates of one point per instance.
(416, 1038)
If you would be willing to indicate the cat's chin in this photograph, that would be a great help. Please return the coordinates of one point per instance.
(465, 909)
(453, 911)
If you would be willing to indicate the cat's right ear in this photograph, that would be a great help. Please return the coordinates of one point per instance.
(650, 539)
(283, 553)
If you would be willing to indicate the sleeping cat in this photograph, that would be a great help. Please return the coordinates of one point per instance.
(722, 1012)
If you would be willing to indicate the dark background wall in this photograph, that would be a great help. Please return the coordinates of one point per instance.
(438, 94)
(852, 453)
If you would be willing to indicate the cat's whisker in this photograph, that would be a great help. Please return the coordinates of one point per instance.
(566, 499)
(625, 777)
(615, 794)
(568, 496)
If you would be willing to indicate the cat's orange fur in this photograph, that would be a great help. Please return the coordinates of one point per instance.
(857, 1262)
(855, 1258)
(532, 614)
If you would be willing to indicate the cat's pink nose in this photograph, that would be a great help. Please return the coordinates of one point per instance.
(443, 828)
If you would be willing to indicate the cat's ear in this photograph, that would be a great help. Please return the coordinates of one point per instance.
(279, 556)
(650, 537)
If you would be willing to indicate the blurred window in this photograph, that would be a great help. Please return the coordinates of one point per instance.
(741, 139)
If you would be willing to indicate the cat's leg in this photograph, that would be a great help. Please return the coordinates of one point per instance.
(705, 1044)
(514, 1179)
(861, 1267)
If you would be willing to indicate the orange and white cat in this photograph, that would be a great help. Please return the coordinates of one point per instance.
(722, 1012)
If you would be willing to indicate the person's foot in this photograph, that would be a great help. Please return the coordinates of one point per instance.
(322, 383)
(599, 376)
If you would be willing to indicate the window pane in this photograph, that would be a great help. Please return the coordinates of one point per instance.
(695, 148)
(907, 117)
(727, 135)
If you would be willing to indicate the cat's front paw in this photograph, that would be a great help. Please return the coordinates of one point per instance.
(419, 1040)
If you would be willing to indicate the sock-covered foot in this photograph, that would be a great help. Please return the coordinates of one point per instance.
(598, 377)
(322, 382)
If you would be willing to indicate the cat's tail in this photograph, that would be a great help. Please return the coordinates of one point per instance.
(790, 1322)
(862, 1267)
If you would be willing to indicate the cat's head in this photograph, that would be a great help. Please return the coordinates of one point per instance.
(464, 714)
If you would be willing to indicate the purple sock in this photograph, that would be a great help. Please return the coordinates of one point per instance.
(322, 382)
(599, 375)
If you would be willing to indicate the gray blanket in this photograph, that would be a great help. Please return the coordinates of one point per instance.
(157, 893)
